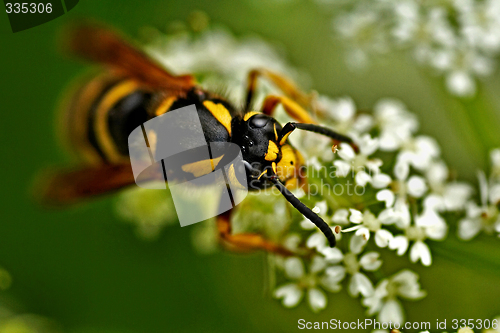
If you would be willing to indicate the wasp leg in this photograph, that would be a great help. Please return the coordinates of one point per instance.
(246, 241)
(293, 109)
(284, 84)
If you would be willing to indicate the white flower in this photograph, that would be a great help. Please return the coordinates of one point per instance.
(428, 225)
(365, 170)
(340, 216)
(221, 57)
(384, 299)
(461, 83)
(314, 147)
(480, 24)
(485, 217)
(367, 222)
(307, 282)
(345, 119)
(397, 197)
(350, 264)
(454, 195)
(149, 210)
(418, 152)
(459, 39)
(495, 164)
(363, 29)
(396, 123)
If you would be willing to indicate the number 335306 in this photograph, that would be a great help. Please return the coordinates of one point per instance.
(25, 8)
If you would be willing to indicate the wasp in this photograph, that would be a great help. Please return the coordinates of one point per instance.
(133, 89)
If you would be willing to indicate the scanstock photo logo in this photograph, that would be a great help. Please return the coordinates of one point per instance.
(205, 179)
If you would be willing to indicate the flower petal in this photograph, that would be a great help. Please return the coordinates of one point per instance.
(317, 299)
(402, 212)
(356, 216)
(460, 83)
(340, 216)
(368, 145)
(318, 263)
(363, 232)
(402, 166)
(362, 178)
(290, 293)
(387, 196)
(360, 284)
(316, 241)
(356, 244)
(416, 186)
(420, 251)
(342, 168)
(381, 180)
(335, 273)
(456, 194)
(495, 158)
(407, 285)
(399, 243)
(294, 268)
(383, 237)
(370, 261)
(468, 228)
(332, 255)
(387, 216)
(391, 311)
(346, 152)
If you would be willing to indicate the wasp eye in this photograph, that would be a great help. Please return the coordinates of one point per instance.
(258, 121)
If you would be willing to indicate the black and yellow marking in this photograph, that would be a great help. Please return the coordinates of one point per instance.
(101, 115)
(118, 92)
(221, 113)
(272, 152)
(248, 115)
(76, 123)
(286, 167)
(165, 105)
(203, 167)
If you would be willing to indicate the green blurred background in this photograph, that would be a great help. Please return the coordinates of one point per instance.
(88, 271)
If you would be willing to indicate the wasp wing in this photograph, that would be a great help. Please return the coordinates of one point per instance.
(70, 186)
(104, 46)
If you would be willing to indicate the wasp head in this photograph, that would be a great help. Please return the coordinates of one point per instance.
(257, 136)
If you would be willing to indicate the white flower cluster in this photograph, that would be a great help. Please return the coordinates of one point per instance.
(406, 191)
(406, 188)
(457, 38)
(485, 216)
(218, 59)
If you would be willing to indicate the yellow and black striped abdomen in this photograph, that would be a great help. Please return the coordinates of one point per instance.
(100, 115)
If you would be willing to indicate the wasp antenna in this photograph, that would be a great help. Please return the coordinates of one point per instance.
(324, 131)
(304, 210)
(290, 127)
